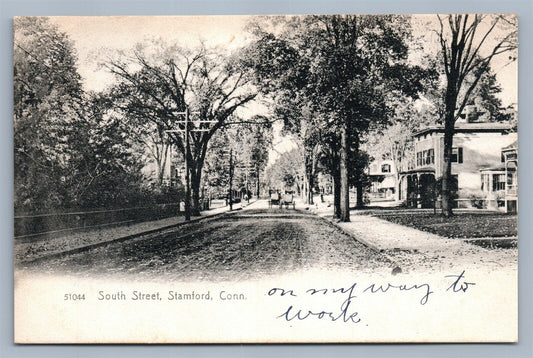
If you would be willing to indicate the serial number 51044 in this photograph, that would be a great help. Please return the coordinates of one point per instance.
(74, 296)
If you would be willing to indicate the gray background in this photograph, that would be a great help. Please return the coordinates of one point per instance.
(10, 8)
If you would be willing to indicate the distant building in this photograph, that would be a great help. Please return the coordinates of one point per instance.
(479, 151)
(383, 181)
(510, 154)
(500, 184)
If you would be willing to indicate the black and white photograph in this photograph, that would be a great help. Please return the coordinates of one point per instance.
(265, 179)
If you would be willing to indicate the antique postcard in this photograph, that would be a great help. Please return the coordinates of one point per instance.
(266, 179)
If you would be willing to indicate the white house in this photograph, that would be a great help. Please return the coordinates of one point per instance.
(477, 149)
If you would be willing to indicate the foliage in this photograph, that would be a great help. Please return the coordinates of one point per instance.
(70, 150)
(360, 161)
(158, 82)
(47, 102)
(331, 77)
(338, 67)
(249, 144)
(108, 169)
(287, 172)
(394, 140)
(468, 45)
(485, 96)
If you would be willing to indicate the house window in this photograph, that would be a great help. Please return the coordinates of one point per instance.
(425, 157)
(510, 179)
(498, 182)
(385, 168)
(457, 155)
(430, 156)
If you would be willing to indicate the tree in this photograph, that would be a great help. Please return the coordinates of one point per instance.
(107, 170)
(485, 98)
(249, 142)
(217, 165)
(394, 140)
(280, 73)
(287, 171)
(342, 68)
(307, 129)
(468, 45)
(71, 150)
(48, 101)
(257, 143)
(159, 83)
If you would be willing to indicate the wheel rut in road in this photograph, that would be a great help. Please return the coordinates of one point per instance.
(240, 245)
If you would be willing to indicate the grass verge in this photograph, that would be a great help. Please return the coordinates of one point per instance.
(461, 225)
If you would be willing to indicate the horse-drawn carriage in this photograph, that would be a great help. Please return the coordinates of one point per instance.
(285, 199)
(274, 199)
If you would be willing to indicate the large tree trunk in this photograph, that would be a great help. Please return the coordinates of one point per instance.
(310, 190)
(359, 171)
(311, 179)
(303, 194)
(258, 183)
(195, 189)
(196, 178)
(336, 195)
(161, 164)
(447, 173)
(343, 169)
(360, 199)
(449, 122)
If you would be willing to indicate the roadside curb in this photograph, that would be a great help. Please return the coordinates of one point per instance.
(84, 248)
(493, 242)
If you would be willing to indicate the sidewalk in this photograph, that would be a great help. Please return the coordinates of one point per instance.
(78, 239)
(412, 249)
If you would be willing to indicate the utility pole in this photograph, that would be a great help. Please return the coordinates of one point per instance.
(186, 132)
(258, 182)
(246, 176)
(187, 176)
(231, 179)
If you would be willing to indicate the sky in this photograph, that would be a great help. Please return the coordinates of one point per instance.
(92, 35)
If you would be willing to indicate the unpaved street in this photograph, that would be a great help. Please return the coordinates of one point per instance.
(241, 245)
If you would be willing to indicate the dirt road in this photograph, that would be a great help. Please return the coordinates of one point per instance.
(242, 245)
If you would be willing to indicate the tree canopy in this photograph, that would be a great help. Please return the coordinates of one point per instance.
(468, 44)
(346, 88)
(331, 76)
(158, 83)
(71, 151)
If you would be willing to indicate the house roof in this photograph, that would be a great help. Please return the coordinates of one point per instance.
(379, 174)
(494, 169)
(467, 127)
(419, 170)
(512, 146)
